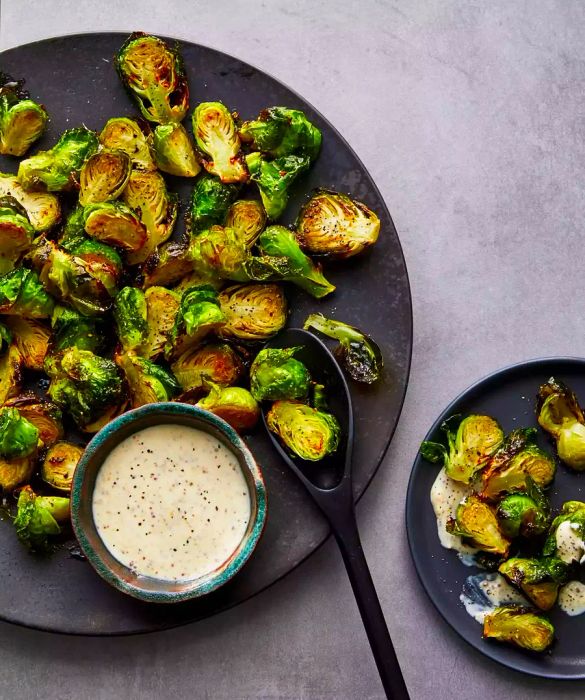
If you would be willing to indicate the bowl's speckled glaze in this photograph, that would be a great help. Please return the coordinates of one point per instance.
(117, 574)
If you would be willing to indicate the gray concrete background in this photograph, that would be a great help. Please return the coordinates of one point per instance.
(470, 117)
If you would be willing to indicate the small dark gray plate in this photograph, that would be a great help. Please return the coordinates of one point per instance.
(509, 396)
(75, 78)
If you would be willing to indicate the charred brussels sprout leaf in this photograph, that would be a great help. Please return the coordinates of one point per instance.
(116, 224)
(306, 432)
(247, 218)
(104, 176)
(72, 329)
(16, 233)
(253, 311)
(162, 306)
(130, 314)
(526, 514)
(199, 314)
(276, 375)
(274, 179)
(32, 338)
(333, 224)
(470, 441)
(148, 383)
(216, 362)
(560, 415)
(358, 353)
(519, 626)
(234, 404)
(58, 168)
(18, 436)
(38, 517)
(538, 579)
(279, 131)
(11, 366)
(510, 470)
(169, 265)
(42, 208)
(22, 294)
(59, 465)
(217, 138)
(566, 539)
(173, 151)
(476, 521)
(85, 385)
(155, 76)
(123, 134)
(210, 202)
(44, 415)
(22, 121)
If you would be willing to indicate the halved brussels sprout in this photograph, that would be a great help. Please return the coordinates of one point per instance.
(18, 436)
(117, 224)
(253, 311)
(38, 518)
(476, 521)
(217, 138)
(59, 465)
(199, 314)
(234, 404)
(155, 76)
(538, 579)
(531, 462)
(123, 134)
(148, 383)
(11, 366)
(58, 168)
(523, 514)
(359, 354)
(210, 202)
(162, 306)
(87, 386)
(218, 252)
(247, 218)
(17, 471)
(280, 131)
(103, 263)
(519, 626)
(560, 415)
(22, 121)
(16, 233)
(274, 179)
(276, 375)
(130, 314)
(335, 225)
(22, 294)
(471, 442)
(32, 338)
(173, 151)
(43, 414)
(306, 432)
(72, 329)
(566, 539)
(43, 208)
(104, 176)
(168, 265)
(216, 362)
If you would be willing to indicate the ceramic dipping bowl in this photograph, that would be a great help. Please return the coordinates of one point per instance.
(107, 566)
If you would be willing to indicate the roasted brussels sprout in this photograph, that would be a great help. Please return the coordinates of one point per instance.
(218, 252)
(130, 314)
(167, 266)
(38, 518)
(560, 415)
(253, 311)
(566, 539)
(42, 208)
(526, 514)
(32, 338)
(476, 522)
(104, 176)
(280, 131)
(72, 329)
(17, 471)
(123, 134)
(276, 375)
(44, 415)
(22, 294)
(538, 579)
(519, 626)
(216, 362)
(234, 404)
(306, 432)
(59, 465)
(11, 366)
(154, 74)
(117, 224)
(471, 442)
(22, 121)
(359, 354)
(173, 151)
(148, 383)
(247, 218)
(16, 233)
(85, 385)
(58, 168)
(18, 436)
(333, 224)
(217, 138)
(199, 314)
(274, 179)
(162, 306)
(210, 202)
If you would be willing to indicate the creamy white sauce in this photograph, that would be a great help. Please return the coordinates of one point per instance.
(171, 502)
(572, 598)
(446, 495)
(483, 593)
(570, 544)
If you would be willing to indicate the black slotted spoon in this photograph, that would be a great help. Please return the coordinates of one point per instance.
(329, 483)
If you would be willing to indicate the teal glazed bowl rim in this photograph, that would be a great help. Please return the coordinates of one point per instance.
(106, 565)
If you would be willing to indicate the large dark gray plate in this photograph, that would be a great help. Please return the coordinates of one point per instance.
(508, 395)
(75, 78)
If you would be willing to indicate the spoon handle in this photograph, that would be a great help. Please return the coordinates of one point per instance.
(347, 536)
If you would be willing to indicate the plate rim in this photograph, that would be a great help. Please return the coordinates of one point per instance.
(483, 649)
